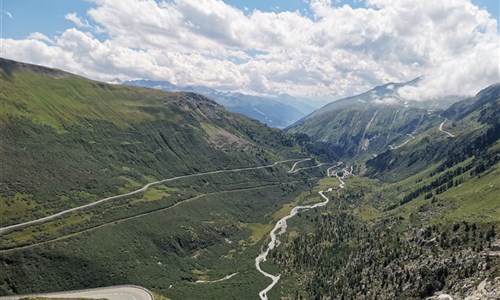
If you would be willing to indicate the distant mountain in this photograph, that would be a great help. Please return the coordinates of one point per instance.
(427, 208)
(268, 111)
(387, 94)
(373, 121)
(303, 105)
(277, 112)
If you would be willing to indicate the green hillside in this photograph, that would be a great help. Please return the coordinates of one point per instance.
(425, 221)
(66, 140)
(371, 122)
(362, 130)
(475, 125)
(420, 213)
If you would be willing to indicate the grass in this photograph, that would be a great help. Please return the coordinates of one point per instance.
(475, 200)
(54, 103)
(152, 194)
(367, 212)
(187, 237)
(159, 296)
(21, 205)
(258, 231)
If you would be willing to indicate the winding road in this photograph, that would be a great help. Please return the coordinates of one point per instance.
(130, 292)
(122, 292)
(117, 221)
(7, 229)
(281, 226)
(292, 170)
(402, 144)
(441, 128)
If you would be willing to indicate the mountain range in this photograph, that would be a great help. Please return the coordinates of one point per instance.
(375, 120)
(172, 192)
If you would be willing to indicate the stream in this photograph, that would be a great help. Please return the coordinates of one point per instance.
(280, 228)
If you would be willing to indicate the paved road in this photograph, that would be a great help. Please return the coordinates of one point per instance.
(292, 170)
(10, 228)
(441, 129)
(402, 144)
(127, 292)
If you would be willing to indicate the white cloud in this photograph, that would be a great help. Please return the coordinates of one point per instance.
(40, 36)
(386, 101)
(336, 52)
(73, 17)
(8, 14)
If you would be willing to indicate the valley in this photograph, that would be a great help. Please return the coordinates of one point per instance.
(107, 185)
(281, 226)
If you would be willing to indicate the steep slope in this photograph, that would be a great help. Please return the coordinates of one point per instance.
(373, 121)
(275, 112)
(474, 127)
(424, 226)
(480, 103)
(361, 130)
(66, 140)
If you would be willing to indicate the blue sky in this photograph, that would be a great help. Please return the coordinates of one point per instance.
(47, 16)
(314, 48)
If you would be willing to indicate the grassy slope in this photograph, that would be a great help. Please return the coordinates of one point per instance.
(362, 130)
(335, 245)
(374, 230)
(66, 141)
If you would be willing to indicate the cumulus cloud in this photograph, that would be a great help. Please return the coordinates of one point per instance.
(40, 36)
(337, 51)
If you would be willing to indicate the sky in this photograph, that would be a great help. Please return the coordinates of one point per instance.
(308, 48)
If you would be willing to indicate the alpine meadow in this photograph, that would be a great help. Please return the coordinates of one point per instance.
(185, 149)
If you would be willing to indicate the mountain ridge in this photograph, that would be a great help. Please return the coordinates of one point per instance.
(369, 123)
(420, 215)
(61, 121)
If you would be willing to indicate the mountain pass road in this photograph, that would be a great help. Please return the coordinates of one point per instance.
(125, 292)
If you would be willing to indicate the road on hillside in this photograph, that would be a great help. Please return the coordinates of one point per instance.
(441, 128)
(125, 292)
(391, 147)
(295, 164)
(7, 229)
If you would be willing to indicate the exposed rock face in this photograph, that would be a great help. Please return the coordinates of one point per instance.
(488, 289)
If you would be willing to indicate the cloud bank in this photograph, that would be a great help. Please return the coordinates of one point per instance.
(333, 51)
